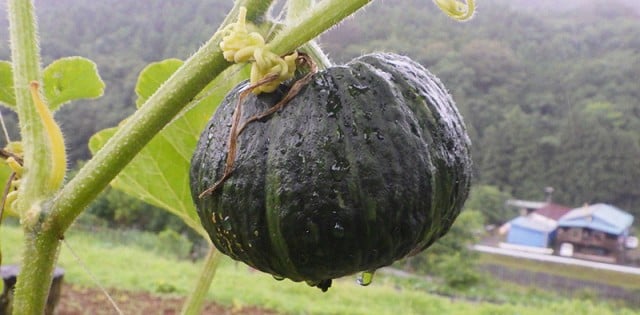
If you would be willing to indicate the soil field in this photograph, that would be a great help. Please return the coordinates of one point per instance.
(79, 301)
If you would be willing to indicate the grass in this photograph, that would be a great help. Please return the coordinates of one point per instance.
(618, 279)
(127, 266)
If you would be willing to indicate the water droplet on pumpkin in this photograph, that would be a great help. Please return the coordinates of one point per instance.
(339, 169)
(365, 135)
(338, 230)
(299, 140)
(226, 223)
(365, 278)
(278, 277)
(340, 135)
(357, 90)
(333, 106)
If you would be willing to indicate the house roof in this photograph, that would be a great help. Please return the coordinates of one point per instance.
(526, 204)
(552, 211)
(532, 223)
(601, 217)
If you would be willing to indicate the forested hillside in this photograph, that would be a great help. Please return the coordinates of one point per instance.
(550, 94)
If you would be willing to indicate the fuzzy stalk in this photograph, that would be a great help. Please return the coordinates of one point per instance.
(25, 57)
(296, 9)
(40, 249)
(314, 22)
(195, 302)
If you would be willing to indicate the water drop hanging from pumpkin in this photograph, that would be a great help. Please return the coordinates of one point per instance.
(365, 278)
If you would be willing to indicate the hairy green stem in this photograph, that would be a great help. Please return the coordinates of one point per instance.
(34, 280)
(320, 18)
(296, 9)
(194, 303)
(26, 68)
(40, 249)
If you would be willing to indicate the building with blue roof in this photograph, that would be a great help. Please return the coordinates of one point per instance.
(531, 231)
(596, 232)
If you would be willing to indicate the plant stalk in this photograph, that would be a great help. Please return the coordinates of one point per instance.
(296, 9)
(40, 249)
(195, 302)
(312, 23)
(25, 57)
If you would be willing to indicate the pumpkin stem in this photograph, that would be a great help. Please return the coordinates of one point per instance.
(237, 128)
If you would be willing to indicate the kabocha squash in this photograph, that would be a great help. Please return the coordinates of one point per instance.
(367, 164)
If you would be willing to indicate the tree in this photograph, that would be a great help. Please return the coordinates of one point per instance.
(490, 201)
(595, 163)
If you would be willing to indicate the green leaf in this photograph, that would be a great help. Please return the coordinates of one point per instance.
(152, 77)
(159, 174)
(7, 95)
(69, 79)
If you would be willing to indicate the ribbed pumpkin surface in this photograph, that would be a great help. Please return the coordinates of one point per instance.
(367, 164)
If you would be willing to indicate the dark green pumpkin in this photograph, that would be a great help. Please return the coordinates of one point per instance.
(367, 164)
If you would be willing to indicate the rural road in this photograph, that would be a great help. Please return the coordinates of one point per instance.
(556, 259)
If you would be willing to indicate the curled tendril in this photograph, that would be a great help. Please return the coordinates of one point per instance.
(12, 154)
(240, 45)
(457, 10)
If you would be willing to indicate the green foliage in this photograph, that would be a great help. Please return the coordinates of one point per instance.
(599, 150)
(7, 95)
(490, 201)
(173, 243)
(69, 79)
(119, 210)
(450, 257)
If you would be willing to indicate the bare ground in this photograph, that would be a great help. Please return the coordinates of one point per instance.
(77, 300)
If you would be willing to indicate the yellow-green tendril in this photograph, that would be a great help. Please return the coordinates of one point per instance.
(457, 10)
(13, 153)
(241, 45)
(56, 140)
